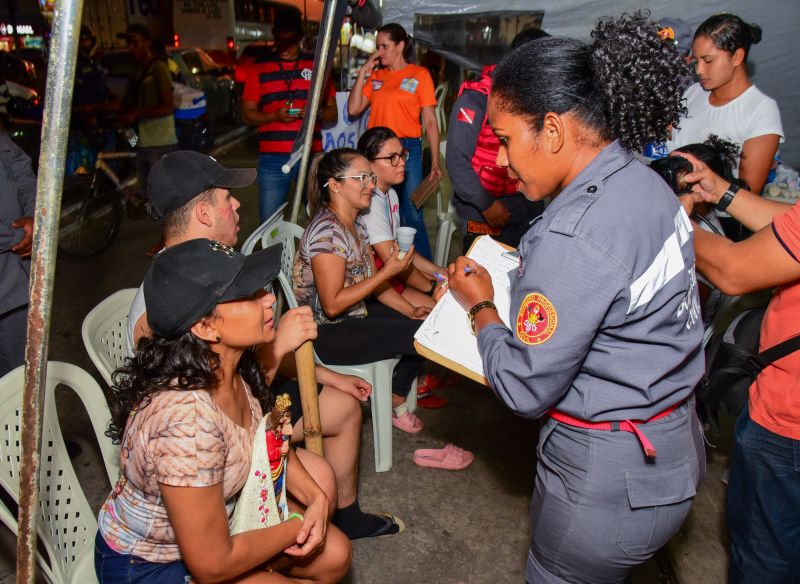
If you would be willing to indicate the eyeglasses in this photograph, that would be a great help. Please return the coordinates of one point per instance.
(395, 157)
(366, 178)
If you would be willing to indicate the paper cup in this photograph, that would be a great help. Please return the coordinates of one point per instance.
(405, 237)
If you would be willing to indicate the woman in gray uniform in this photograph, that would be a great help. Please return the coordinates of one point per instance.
(605, 337)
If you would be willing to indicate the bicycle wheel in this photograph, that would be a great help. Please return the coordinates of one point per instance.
(90, 218)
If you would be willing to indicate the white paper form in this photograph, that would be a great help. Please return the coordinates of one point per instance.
(446, 330)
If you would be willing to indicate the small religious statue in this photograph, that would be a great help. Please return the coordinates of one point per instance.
(278, 438)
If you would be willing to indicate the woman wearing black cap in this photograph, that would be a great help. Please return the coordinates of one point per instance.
(185, 409)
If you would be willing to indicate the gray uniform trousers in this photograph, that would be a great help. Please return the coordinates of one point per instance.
(600, 507)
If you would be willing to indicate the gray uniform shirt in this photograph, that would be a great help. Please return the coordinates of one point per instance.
(606, 298)
(17, 199)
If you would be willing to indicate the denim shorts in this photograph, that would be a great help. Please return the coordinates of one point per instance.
(113, 567)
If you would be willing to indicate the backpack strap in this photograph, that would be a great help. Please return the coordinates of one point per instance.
(779, 351)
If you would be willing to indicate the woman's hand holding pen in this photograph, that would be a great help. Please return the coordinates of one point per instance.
(469, 282)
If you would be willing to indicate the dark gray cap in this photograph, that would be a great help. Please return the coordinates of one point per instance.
(180, 176)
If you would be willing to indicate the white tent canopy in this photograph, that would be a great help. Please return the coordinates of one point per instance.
(774, 64)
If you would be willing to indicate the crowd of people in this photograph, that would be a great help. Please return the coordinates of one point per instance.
(546, 154)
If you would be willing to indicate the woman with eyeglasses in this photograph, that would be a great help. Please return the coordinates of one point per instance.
(419, 284)
(388, 157)
(361, 318)
(399, 94)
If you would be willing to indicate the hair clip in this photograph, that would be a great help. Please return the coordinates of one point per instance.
(325, 186)
(667, 33)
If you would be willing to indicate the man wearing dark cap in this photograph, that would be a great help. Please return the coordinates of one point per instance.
(147, 106)
(191, 199)
(274, 99)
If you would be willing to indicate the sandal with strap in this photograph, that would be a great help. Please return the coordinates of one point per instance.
(431, 381)
(450, 457)
(406, 421)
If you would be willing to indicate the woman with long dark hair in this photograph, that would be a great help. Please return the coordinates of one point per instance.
(726, 103)
(398, 93)
(605, 338)
(185, 409)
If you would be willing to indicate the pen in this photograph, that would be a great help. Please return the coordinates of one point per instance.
(470, 269)
(439, 277)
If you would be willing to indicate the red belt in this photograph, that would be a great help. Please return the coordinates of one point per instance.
(624, 426)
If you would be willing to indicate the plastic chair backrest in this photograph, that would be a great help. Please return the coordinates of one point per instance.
(258, 235)
(66, 524)
(104, 330)
(440, 94)
(285, 233)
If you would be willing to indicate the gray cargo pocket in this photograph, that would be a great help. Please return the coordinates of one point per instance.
(658, 500)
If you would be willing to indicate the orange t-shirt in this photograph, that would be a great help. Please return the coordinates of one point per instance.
(396, 99)
(775, 395)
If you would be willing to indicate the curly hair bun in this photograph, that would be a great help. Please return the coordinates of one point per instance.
(640, 76)
(625, 85)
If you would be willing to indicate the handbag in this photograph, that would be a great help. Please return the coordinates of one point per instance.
(364, 13)
(734, 363)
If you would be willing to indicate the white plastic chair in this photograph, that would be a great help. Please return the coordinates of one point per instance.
(378, 374)
(447, 218)
(66, 524)
(440, 93)
(258, 235)
(104, 330)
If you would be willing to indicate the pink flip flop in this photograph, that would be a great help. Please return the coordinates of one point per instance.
(449, 458)
(408, 422)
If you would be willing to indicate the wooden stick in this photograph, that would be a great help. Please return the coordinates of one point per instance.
(307, 379)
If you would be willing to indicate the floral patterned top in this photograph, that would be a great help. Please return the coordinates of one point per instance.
(180, 438)
(327, 234)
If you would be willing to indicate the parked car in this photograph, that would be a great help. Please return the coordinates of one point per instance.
(195, 68)
(18, 95)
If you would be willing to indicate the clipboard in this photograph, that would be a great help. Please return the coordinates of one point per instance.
(425, 189)
(446, 328)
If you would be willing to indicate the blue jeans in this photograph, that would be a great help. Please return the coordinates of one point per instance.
(763, 506)
(273, 184)
(409, 214)
(113, 567)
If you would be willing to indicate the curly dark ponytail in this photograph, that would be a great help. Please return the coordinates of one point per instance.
(625, 85)
(185, 363)
(639, 75)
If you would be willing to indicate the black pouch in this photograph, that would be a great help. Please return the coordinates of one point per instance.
(733, 363)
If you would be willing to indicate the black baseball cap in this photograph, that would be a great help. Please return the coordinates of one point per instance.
(187, 280)
(180, 176)
(135, 28)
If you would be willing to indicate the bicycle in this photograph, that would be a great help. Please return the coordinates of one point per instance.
(92, 207)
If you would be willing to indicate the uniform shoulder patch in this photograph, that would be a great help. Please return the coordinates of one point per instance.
(537, 319)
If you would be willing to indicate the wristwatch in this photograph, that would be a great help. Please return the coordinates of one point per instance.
(475, 310)
(430, 292)
(726, 199)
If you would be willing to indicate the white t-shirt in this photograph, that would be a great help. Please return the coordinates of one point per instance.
(137, 310)
(750, 115)
(383, 216)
